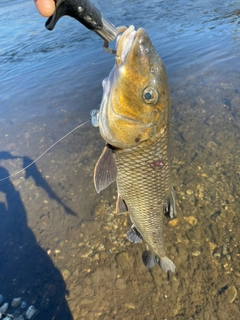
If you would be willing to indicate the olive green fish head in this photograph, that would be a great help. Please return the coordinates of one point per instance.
(136, 101)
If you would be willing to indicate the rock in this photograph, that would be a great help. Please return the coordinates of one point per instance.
(16, 302)
(20, 317)
(216, 254)
(4, 308)
(173, 223)
(85, 252)
(196, 253)
(191, 220)
(230, 294)
(211, 145)
(224, 251)
(212, 246)
(31, 312)
(66, 274)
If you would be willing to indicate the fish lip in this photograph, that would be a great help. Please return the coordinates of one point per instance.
(131, 38)
(124, 45)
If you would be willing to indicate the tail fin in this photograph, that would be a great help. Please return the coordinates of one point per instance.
(150, 261)
(167, 265)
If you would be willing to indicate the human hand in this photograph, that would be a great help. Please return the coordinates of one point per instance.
(45, 7)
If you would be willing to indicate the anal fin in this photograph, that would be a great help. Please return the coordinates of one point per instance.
(105, 171)
(149, 259)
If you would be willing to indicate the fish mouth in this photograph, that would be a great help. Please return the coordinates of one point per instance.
(124, 44)
(129, 40)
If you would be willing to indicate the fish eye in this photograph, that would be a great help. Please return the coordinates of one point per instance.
(150, 95)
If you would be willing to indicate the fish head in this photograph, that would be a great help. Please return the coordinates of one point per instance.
(136, 100)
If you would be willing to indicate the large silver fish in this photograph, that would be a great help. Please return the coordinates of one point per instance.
(134, 121)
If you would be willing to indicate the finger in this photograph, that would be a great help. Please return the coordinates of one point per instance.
(45, 7)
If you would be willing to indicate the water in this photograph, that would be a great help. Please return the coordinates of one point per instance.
(57, 235)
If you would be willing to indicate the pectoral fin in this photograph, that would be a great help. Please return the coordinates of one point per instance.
(105, 171)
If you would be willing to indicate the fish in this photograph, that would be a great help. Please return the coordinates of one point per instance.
(133, 119)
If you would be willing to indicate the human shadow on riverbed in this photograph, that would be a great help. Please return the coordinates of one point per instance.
(32, 171)
(25, 268)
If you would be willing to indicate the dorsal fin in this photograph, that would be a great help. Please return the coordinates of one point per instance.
(105, 171)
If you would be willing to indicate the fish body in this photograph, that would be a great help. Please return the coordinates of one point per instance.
(134, 121)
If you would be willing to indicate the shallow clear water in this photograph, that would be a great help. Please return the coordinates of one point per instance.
(49, 83)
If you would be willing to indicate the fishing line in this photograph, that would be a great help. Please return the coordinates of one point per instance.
(53, 145)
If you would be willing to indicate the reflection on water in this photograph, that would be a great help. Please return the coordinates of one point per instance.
(49, 83)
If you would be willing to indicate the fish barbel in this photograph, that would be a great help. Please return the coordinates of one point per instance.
(134, 121)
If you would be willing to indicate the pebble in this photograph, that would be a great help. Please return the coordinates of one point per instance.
(31, 312)
(216, 255)
(191, 220)
(189, 192)
(230, 293)
(85, 252)
(17, 182)
(212, 246)
(66, 274)
(4, 307)
(173, 223)
(211, 145)
(101, 247)
(96, 256)
(225, 251)
(16, 302)
(129, 305)
(196, 253)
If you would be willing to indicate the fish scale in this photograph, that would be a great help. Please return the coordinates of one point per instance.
(145, 189)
